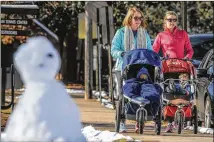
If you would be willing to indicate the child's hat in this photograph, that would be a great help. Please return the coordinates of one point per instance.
(142, 71)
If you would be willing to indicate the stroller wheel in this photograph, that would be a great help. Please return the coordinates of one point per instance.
(195, 120)
(179, 122)
(158, 122)
(118, 115)
(141, 121)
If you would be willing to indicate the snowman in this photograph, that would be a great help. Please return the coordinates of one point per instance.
(45, 112)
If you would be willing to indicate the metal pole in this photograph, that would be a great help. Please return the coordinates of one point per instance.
(43, 27)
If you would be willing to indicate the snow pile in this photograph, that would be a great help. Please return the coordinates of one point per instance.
(20, 90)
(109, 105)
(201, 130)
(97, 93)
(105, 102)
(75, 91)
(103, 136)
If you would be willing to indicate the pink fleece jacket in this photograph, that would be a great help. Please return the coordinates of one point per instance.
(175, 44)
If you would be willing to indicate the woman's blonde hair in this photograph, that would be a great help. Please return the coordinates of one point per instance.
(166, 14)
(130, 14)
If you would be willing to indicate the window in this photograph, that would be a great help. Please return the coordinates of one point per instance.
(195, 41)
(201, 48)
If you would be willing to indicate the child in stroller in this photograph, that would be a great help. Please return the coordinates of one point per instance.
(179, 95)
(181, 88)
(140, 90)
(142, 87)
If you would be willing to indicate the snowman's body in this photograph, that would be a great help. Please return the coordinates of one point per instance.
(45, 112)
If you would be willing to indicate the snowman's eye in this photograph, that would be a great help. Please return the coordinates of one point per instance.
(50, 55)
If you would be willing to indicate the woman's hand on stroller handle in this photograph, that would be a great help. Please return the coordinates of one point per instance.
(165, 58)
(187, 59)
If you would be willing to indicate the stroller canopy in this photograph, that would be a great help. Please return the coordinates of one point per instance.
(141, 56)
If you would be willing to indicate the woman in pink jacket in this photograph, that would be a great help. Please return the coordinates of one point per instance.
(174, 43)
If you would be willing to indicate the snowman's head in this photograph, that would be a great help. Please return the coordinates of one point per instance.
(37, 60)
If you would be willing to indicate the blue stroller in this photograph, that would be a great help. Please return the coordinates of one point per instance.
(140, 108)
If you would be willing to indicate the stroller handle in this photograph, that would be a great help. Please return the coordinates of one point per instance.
(183, 59)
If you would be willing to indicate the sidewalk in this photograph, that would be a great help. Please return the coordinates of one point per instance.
(102, 118)
(93, 113)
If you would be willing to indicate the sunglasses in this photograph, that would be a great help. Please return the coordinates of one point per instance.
(170, 20)
(138, 18)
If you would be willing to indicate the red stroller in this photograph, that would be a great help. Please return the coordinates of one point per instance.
(180, 108)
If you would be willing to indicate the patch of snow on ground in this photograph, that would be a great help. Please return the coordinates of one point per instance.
(97, 93)
(103, 136)
(75, 91)
(109, 106)
(22, 89)
(105, 102)
(202, 130)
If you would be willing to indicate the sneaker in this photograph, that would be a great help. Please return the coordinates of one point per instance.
(169, 128)
(122, 128)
